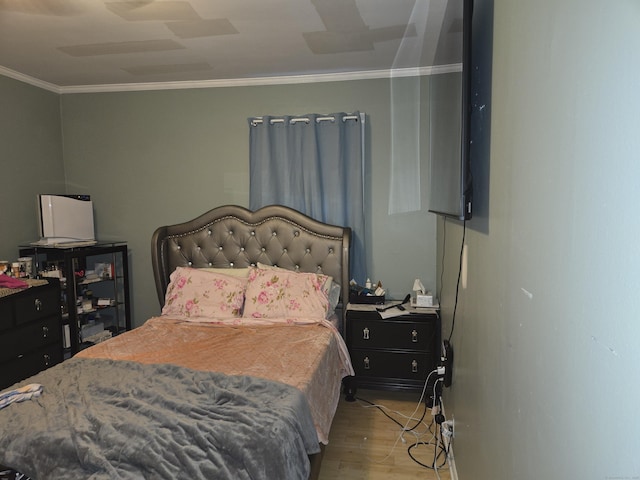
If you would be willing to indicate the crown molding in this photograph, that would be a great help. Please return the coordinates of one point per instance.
(236, 82)
(7, 72)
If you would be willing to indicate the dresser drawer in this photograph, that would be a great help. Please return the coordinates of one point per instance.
(36, 304)
(6, 315)
(35, 335)
(392, 334)
(29, 364)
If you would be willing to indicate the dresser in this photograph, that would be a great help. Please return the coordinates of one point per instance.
(395, 353)
(30, 331)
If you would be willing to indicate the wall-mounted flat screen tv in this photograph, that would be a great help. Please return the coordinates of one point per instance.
(451, 186)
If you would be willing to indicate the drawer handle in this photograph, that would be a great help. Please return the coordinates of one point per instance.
(414, 367)
(365, 333)
(38, 304)
(367, 364)
(414, 336)
(47, 359)
(45, 332)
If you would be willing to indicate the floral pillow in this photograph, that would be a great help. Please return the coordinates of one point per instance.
(283, 294)
(331, 289)
(194, 293)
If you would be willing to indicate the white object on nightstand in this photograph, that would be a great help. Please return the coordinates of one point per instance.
(422, 297)
(423, 300)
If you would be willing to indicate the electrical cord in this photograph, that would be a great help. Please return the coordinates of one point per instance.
(411, 417)
(439, 448)
(444, 245)
(382, 409)
(439, 454)
(442, 269)
(455, 305)
(439, 445)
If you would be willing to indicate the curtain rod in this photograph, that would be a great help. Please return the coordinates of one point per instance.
(258, 120)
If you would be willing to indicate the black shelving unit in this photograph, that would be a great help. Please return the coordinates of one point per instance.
(94, 299)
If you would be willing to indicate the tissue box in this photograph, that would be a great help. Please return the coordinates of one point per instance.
(424, 300)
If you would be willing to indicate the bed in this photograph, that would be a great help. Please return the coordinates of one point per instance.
(239, 377)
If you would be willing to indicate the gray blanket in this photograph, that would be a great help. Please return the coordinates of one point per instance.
(104, 419)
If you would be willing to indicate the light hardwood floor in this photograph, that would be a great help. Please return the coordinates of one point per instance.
(364, 445)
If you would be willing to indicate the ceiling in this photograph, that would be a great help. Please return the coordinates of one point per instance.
(91, 45)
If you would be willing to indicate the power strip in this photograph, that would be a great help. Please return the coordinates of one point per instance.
(447, 363)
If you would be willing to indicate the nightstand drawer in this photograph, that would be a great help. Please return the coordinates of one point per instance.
(388, 364)
(37, 304)
(392, 334)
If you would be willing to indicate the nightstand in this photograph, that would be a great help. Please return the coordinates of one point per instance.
(395, 353)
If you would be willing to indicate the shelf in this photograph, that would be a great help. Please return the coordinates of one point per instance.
(88, 281)
(71, 264)
(99, 309)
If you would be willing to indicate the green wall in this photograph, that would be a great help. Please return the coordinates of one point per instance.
(30, 160)
(153, 158)
(547, 331)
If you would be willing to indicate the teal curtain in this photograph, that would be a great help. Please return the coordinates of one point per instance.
(315, 164)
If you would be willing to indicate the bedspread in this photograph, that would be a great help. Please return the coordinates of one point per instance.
(105, 419)
(312, 358)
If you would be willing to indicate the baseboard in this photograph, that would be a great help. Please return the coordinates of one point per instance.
(451, 461)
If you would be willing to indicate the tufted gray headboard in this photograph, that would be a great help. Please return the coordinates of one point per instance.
(234, 237)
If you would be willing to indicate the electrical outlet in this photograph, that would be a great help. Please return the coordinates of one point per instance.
(448, 428)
